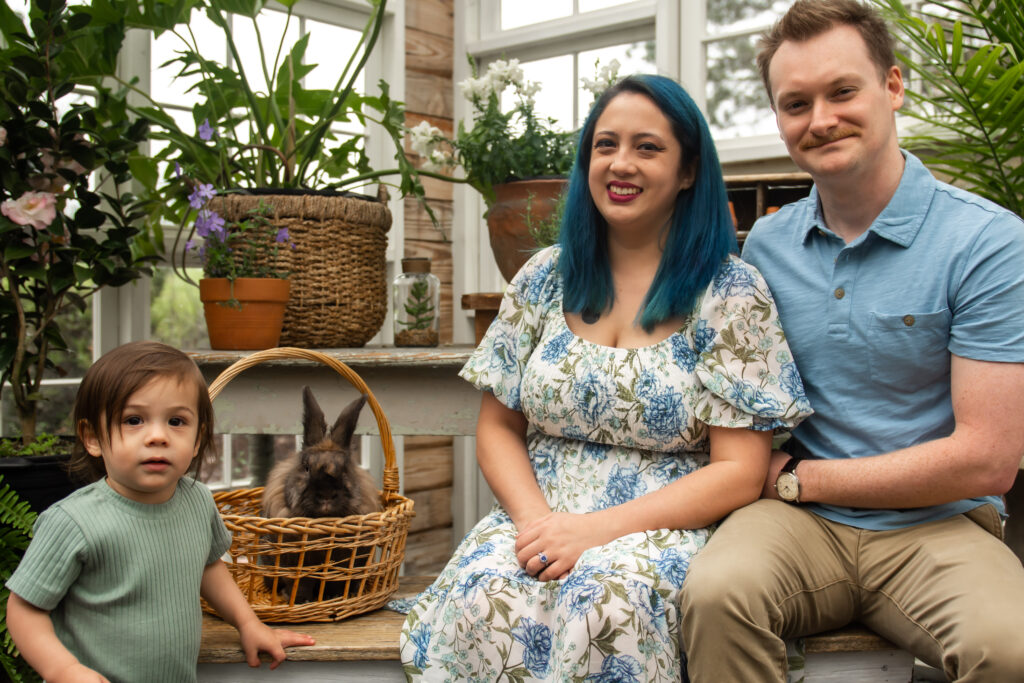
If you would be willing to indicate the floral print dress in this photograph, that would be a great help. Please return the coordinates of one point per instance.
(606, 425)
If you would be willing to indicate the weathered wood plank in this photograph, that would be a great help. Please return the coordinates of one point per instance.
(427, 467)
(433, 509)
(371, 636)
(418, 225)
(427, 552)
(428, 52)
(429, 94)
(435, 16)
(853, 638)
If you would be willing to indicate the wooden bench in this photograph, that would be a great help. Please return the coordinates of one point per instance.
(365, 648)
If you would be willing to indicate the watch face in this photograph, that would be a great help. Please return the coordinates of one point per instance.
(788, 486)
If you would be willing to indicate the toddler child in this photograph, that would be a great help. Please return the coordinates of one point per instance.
(109, 588)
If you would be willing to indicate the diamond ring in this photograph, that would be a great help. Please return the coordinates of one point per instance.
(543, 558)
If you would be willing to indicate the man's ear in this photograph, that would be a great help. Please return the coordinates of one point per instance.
(89, 439)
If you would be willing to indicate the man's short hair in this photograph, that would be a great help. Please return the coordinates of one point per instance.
(809, 18)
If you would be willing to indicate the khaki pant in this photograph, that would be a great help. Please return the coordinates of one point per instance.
(949, 592)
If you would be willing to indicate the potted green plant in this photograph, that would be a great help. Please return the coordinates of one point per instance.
(515, 158)
(244, 291)
(965, 59)
(265, 138)
(68, 226)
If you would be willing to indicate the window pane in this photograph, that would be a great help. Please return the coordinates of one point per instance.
(555, 97)
(53, 414)
(737, 104)
(515, 13)
(591, 5)
(727, 16)
(176, 314)
(330, 47)
(165, 48)
(272, 25)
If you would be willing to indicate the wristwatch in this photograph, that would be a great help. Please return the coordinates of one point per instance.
(787, 484)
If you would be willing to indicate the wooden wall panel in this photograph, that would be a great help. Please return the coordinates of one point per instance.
(429, 96)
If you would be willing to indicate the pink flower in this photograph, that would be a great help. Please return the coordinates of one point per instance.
(37, 209)
(3, 136)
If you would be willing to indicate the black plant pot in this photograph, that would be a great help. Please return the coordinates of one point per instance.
(41, 480)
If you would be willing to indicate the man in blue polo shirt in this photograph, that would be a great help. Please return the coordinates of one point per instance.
(903, 302)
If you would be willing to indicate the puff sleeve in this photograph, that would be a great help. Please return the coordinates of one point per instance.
(744, 363)
(499, 361)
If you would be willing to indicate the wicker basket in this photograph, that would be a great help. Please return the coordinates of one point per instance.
(377, 539)
(339, 294)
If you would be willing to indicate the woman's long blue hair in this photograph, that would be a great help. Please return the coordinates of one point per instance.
(700, 233)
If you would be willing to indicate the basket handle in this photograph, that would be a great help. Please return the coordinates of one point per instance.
(390, 475)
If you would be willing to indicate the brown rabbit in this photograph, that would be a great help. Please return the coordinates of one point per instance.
(321, 480)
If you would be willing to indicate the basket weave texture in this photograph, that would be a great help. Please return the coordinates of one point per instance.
(356, 557)
(339, 295)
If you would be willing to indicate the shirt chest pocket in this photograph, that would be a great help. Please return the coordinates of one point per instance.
(908, 351)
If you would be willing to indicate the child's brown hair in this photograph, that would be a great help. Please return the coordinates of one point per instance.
(111, 381)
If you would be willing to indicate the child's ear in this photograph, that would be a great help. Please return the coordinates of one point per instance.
(89, 439)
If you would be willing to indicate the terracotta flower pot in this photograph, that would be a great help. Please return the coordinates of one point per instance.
(511, 241)
(255, 322)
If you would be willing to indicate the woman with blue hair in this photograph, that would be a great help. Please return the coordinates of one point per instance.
(632, 382)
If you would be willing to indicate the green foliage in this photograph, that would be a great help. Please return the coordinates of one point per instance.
(546, 230)
(67, 228)
(247, 248)
(500, 146)
(16, 520)
(43, 444)
(419, 307)
(967, 91)
(263, 130)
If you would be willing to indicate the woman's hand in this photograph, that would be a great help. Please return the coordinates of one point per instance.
(561, 537)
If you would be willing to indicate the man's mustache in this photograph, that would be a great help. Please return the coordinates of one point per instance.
(810, 141)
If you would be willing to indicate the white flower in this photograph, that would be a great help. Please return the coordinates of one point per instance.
(606, 76)
(423, 137)
(437, 161)
(477, 88)
(506, 73)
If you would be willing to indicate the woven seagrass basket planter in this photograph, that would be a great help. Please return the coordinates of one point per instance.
(339, 295)
(352, 562)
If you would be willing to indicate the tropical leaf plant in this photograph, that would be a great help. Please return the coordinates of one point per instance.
(967, 91)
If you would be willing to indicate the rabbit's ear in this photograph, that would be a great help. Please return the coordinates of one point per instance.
(314, 425)
(345, 425)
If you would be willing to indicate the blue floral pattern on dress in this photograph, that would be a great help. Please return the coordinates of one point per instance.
(606, 425)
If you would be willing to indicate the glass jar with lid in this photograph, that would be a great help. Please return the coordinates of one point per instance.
(417, 296)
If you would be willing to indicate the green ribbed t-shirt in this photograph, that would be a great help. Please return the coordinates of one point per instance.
(121, 579)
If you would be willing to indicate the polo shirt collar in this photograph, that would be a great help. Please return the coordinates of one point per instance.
(903, 216)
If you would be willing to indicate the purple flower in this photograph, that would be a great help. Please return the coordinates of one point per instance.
(282, 235)
(203, 193)
(177, 170)
(205, 130)
(189, 244)
(208, 222)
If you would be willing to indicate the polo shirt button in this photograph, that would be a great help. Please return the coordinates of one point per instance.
(840, 293)
(908, 320)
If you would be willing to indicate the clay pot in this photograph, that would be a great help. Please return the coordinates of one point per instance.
(254, 322)
(511, 241)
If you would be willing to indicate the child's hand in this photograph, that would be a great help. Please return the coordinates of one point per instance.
(78, 673)
(258, 637)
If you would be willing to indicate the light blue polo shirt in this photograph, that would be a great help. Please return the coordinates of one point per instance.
(872, 323)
